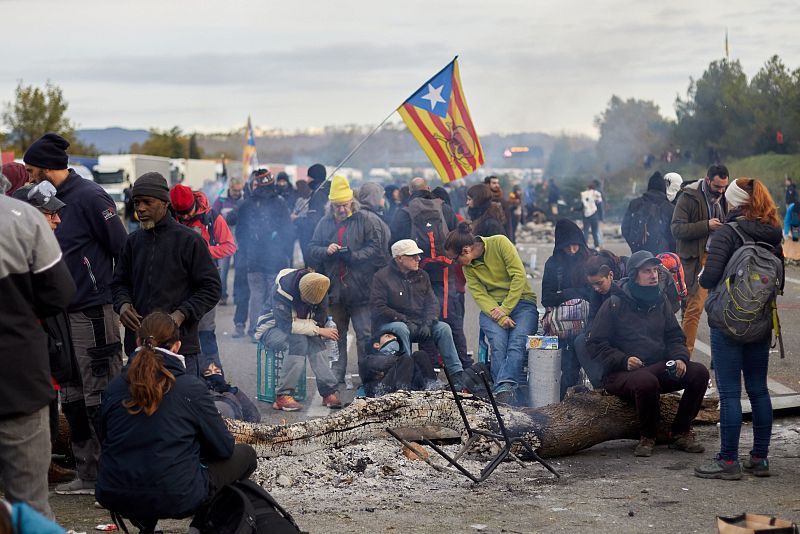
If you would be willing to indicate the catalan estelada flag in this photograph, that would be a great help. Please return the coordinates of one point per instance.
(438, 118)
(249, 157)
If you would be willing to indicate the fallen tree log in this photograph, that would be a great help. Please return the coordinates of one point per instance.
(583, 419)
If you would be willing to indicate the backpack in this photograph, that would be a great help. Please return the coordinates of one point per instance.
(244, 507)
(429, 231)
(672, 262)
(644, 228)
(742, 304)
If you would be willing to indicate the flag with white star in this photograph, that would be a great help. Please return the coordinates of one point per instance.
(249, 156)
(438, 118)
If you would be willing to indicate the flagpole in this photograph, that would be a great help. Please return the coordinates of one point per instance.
(350, 155)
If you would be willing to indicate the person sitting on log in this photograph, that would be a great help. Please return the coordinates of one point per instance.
(402, 301)
(297, 319)
(633, 338)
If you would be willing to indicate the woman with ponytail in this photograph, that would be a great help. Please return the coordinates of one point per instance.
(165, 448)
(499, 284)
(486, 215)
(755, 214)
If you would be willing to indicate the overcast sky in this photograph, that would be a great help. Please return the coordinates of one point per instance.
(526, 65)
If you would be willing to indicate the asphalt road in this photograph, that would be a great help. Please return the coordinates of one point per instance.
(239, 355)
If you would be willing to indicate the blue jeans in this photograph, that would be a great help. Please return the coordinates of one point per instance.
(510, 346)
(731, 361)
(442, 337)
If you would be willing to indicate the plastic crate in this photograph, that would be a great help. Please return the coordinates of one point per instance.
(268, 368)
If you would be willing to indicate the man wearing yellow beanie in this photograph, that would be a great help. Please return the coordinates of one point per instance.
(347, 247)
(297, 319)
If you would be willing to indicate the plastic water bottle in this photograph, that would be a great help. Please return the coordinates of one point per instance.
(331, 345)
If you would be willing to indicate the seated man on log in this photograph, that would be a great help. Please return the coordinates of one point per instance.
(402, 301)
(297, 319)
(641, 349)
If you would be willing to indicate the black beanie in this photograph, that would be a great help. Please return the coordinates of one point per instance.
(151, 184)
(657, 183)
(48, 152)
(317, 172)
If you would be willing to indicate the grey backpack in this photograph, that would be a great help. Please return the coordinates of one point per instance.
(742, 303)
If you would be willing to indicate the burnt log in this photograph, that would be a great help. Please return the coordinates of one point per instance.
(583, 419)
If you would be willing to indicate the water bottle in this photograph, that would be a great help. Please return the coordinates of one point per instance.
(331, 345)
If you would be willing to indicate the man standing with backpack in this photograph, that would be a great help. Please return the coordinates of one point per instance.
(193, 212)
(699, 212)
(646, 225)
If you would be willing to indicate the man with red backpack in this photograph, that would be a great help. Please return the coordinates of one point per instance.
(192, 210)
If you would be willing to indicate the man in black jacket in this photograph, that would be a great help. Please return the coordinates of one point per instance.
(35, 283)
(91, 236)
(646, 224)
(346, 247)
(633, 337)
(164, 266)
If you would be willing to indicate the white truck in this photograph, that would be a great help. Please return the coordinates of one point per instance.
(195, 173)
(115, 172)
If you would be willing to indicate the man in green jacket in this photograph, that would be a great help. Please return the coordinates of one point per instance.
(699, 212)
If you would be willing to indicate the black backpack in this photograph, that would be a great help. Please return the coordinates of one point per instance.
(429, 230)
(244, 507)
(643, 228)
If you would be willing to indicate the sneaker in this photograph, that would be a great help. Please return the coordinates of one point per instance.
(687, 442)
(758, 467)
(76, 487)
(331, 401)
(645, 447)
(505, 396)
(719, 468)
(59, 475)
(239, 331)
(286, 403)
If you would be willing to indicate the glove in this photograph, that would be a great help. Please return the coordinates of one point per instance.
(413, 329)
(424, 332)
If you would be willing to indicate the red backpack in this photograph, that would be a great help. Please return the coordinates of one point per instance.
(672, 263)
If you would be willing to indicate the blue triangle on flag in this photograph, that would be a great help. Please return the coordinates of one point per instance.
(434, 95)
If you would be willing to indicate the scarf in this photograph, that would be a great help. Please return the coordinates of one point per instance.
(646, 296)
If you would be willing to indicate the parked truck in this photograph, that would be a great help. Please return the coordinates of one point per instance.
(195, 173)
(115, 172)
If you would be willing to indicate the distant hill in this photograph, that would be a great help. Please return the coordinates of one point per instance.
(112, 140)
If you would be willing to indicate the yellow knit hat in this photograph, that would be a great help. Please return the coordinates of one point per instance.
(340, 190)
(313, 287)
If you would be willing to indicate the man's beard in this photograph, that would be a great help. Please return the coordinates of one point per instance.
(148, 225)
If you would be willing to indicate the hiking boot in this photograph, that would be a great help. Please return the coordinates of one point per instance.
(286, 403)
(719, 468)
(239, 331)
(331, 401)
(58, 475)
(505, 396)
(645, 447)
(76, 487)
(758, 467)
(687, 442)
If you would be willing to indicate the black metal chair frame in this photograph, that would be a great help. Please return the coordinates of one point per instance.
(503, 440)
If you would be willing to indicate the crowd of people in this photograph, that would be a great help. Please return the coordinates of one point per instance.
(148, 437)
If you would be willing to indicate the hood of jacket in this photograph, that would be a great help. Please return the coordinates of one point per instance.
(757, 230)
(656, 197)
(369, 195)
(568, 233)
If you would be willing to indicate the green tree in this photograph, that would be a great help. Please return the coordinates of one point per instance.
(630, 130)
(776, 107)
(167, 143)
(195, 152)
(36, 111)
(716, 118)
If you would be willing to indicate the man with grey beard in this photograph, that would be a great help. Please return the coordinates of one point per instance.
(164, 266)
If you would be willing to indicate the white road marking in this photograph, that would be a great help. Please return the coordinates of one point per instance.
(792, 280)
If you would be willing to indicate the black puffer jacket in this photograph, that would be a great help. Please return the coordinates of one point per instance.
(624, 328)
(166, 269)
(563, 277)
(350, 275)
(725, 241)
(152, 466)
(402, 297)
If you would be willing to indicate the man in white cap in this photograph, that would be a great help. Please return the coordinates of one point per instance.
(402, 301)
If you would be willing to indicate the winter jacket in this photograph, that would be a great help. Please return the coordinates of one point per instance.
(624, 328)
(154, 466)
(291, 314)
(690, 229)
(726, 241)
(659, 210)
(563, 277)
(399, 297)
(225, 204)
(264, 231)
(166, 269)
(34, 283)
(498, 278)
(91, 237)
(791, 219)
(369, 196)
(222, 245)
(350, 273)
